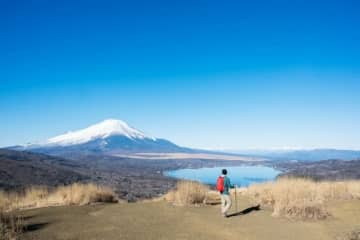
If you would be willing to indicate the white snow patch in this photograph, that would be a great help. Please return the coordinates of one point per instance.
(104, 129)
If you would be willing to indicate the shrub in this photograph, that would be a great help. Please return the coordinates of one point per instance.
(212, 198)
(188, 193)
(353, 235)
(38, 196)
(81, 194)
(302, 198)
(11, 226)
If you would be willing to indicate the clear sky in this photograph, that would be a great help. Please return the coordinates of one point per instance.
(207, 74)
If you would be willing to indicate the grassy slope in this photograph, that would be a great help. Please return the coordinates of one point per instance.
(160, 220)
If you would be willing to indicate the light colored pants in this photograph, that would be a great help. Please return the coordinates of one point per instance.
(225, 203)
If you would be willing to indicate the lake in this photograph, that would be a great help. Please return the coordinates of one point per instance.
(241, 176)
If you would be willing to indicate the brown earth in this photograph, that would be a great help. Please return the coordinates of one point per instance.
(161, 220)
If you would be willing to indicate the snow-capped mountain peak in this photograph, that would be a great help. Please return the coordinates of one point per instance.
(104, 129)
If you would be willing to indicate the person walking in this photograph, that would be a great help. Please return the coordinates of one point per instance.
(223, 185)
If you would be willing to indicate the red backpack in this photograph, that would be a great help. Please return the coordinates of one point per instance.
(220, 184)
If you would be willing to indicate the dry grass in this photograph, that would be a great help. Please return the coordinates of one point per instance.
(75, 194)
(213, 198)
(353, 235)
(11, 226)
(302, 198)
(188, 193)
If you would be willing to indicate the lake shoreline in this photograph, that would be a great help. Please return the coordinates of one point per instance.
(245, 174)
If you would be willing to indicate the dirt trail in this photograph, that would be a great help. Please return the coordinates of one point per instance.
(160, 220)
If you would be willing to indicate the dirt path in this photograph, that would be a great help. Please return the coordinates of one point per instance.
(160, 220)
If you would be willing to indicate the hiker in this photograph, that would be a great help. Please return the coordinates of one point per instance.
(223, 185)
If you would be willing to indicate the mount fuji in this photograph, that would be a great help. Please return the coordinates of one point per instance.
(108, 137)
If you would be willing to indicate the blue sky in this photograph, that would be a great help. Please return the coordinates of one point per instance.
(207, 74)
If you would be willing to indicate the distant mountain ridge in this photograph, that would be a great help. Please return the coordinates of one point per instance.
(110, 136)
(21, 169)
(116, 137)
(304, 155)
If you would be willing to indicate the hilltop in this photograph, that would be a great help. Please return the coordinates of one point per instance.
(160, 220)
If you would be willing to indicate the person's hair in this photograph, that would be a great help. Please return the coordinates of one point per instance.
(224, 171)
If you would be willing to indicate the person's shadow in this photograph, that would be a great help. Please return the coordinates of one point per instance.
(245, 211)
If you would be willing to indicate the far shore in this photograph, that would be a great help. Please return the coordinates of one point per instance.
(205, 156)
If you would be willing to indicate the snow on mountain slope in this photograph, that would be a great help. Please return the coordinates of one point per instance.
(108, 137)
(104, 129)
